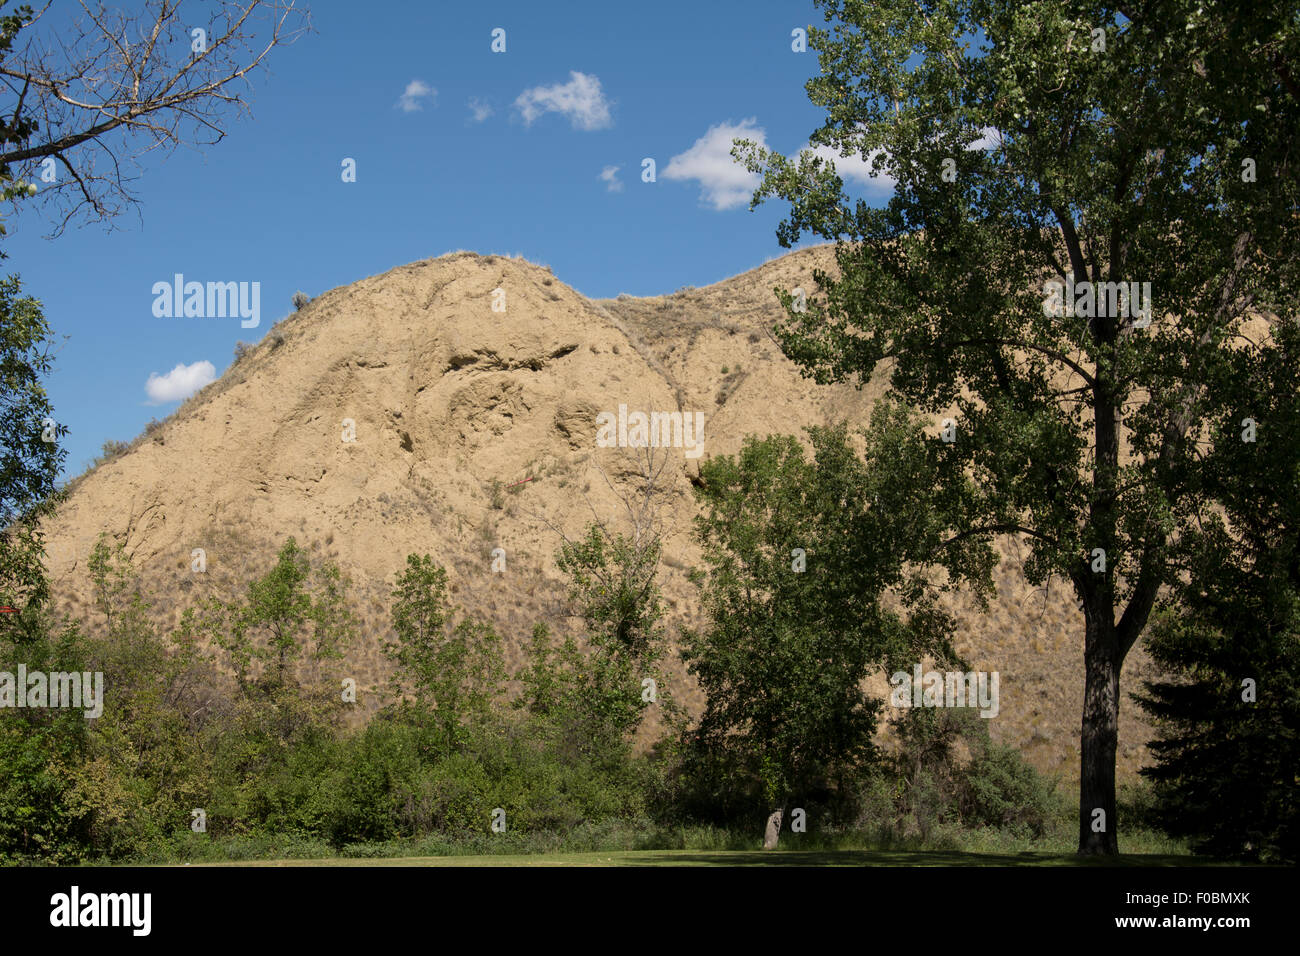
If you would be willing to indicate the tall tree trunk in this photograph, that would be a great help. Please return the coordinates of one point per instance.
(773, 832)
(1099, 738)
(1102, 656)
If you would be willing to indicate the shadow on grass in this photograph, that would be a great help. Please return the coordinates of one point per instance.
(898, 858)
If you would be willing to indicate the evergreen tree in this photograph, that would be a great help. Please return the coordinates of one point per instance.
(1229, 743)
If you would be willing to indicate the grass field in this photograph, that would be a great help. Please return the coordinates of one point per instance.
(749, 858)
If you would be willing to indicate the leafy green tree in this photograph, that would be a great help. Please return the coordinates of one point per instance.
(802, 557)
(294, 617)
(420, 612)
(588, 702)
(30, 456)
(1229, 632)
(145, 766)
(115, 586)
(279, 607)
(282, 644)
(453, 672)
(612, 583)
(583, 704)
(570, 757)
(40, 819)
(1068, 142)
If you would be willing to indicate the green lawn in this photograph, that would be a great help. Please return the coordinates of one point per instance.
(748, 858)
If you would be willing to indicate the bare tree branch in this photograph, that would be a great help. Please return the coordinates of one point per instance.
(78, 93)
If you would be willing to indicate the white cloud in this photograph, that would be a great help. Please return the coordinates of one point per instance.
(480, 108)
(610, 175)
(724, 182)
(989, 138)
(416, 91)
(580, 99)
(856, 168)
(181, 382)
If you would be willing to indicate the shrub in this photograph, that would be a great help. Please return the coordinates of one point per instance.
(1000, 789)
(300, 300)
(456, 794)
(40, 815)
(934, 788)
(111, 449)
(376, 777)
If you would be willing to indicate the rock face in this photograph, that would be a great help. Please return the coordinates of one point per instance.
(402, 414)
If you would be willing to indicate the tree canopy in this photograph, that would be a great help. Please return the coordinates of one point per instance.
(30, 456)
(1140, 157)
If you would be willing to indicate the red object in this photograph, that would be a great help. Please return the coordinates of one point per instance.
(519, 482)
(8, 610)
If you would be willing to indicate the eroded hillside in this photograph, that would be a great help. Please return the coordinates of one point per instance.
(452, 402)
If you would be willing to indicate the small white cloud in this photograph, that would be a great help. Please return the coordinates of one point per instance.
(856, 168)
(416, 90)
(989, 139)
(181, 382)
(581, 99)
(480, 108)
(724, 182)
(609, 175)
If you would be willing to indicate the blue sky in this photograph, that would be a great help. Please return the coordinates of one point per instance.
(456, 147)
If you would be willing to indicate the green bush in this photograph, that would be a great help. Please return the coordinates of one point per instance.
(1000, 789)
(456, 794)
(375, 781)
(932, 789)
(41, 819)
(110, 450)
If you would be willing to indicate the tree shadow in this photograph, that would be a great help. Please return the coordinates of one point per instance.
(912, 858)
